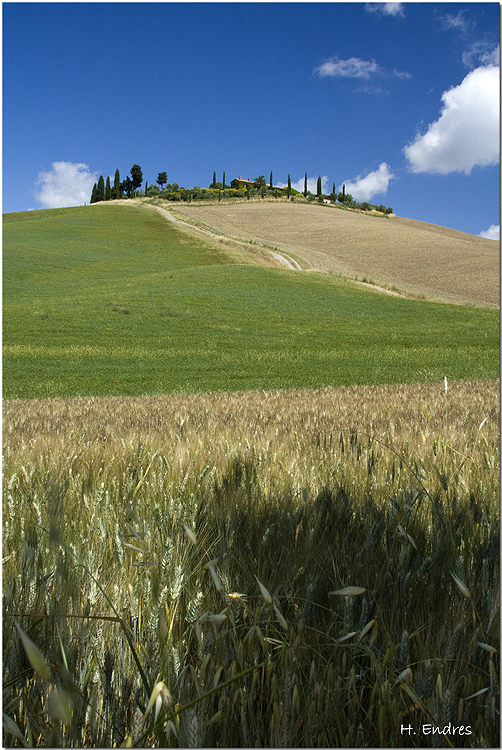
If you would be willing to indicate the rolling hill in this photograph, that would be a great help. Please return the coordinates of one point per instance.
(112, 299)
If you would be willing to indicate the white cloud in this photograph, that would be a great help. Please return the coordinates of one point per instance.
(467, 132)
(354, 67)
(483, 53)
(492, 233)
(386, 9)
(458, 22)
(67, 184)
(375, 183)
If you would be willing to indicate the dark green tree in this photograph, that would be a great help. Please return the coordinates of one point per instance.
(224, 181)
(259, 181)
(100, 192)
(108, 190)
(137, 176)
(271, 185)
(319, 187)
(126, 186)
(289, 186)
(162, 179)
(116, 185)
(305, 188)
(213, 184)
(93, 194)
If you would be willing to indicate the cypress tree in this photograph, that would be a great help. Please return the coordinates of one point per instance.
(116, 185)
(289, 186)
(319, 187)
(100, 192)
(214, 180)
(93, 194)
(305, 189)
(271, 186)
(108, 190)
(223, 180)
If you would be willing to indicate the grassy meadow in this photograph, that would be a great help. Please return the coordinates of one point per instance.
(242, 507)
(111, 300)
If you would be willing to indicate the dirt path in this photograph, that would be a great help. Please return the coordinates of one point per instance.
(288, 262)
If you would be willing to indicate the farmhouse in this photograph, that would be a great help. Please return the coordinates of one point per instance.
(241, 183)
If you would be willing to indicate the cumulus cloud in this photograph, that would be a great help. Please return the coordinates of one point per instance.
(467, 132)
(66, 184)
(492, 233)
(386, 9)
(375, 183)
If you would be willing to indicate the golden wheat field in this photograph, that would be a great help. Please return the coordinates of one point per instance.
(415, 257)
(266, 569)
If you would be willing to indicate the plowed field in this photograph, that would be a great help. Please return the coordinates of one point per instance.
(413, 256)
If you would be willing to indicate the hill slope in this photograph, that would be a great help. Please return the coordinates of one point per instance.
(119, 301)
(417, 257)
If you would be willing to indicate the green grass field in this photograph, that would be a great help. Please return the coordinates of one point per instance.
(109, 300)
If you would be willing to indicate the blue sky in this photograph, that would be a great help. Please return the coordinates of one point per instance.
(399, 101)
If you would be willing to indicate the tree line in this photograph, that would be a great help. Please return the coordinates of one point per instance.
(258, 187)
(105, 192)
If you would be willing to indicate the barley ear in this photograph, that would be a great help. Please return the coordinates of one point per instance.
(264, 592)
(35, 656)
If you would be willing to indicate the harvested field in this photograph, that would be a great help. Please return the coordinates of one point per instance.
(416, 257)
